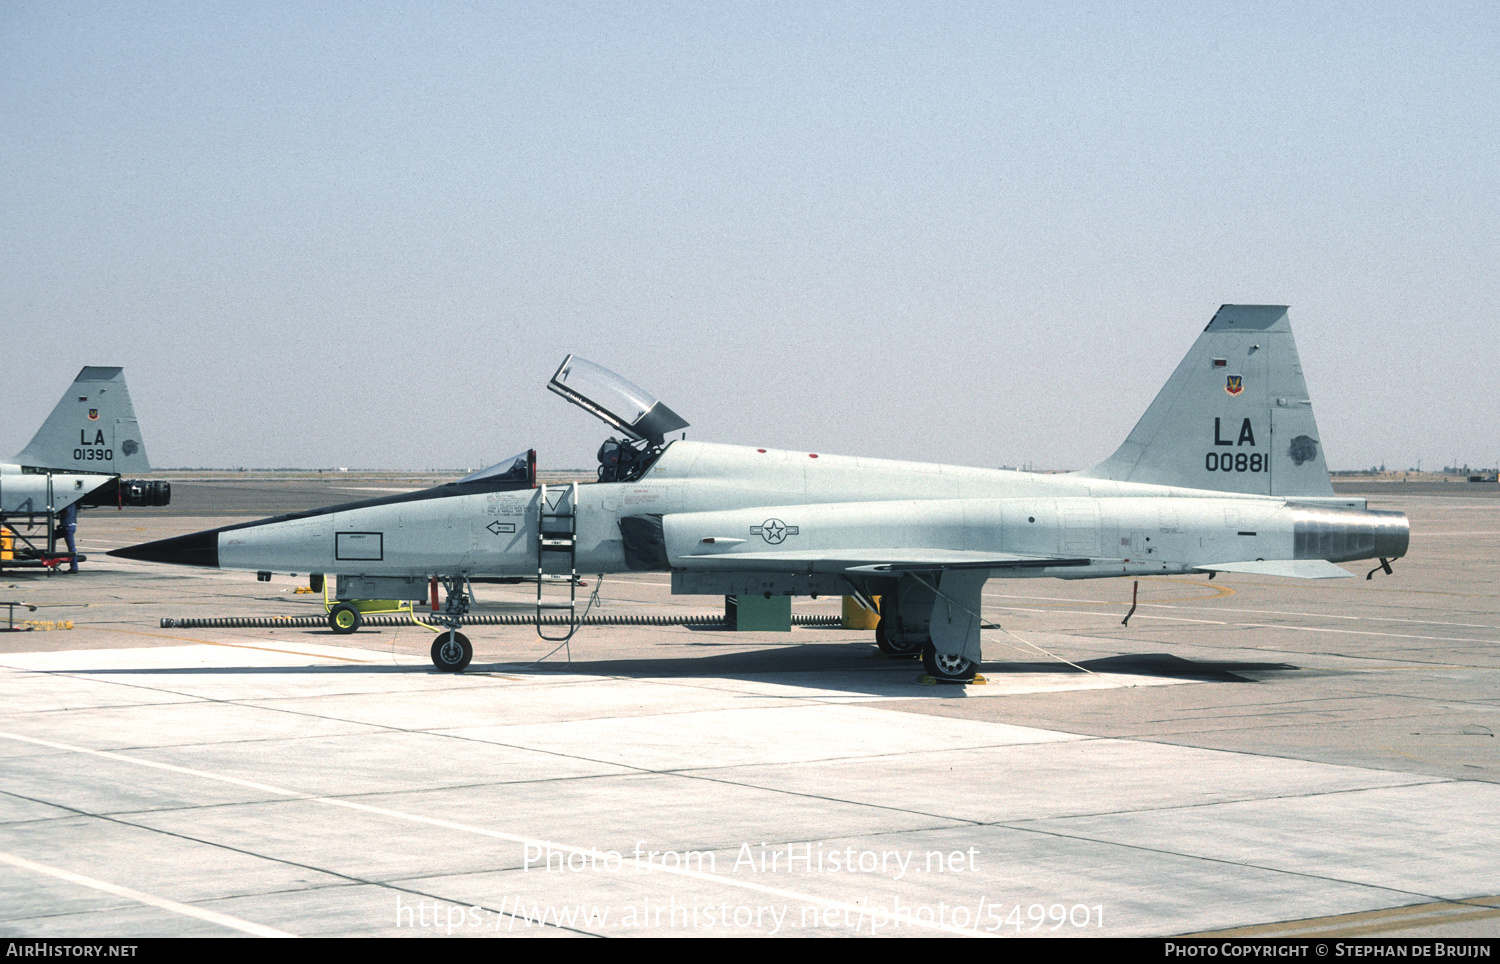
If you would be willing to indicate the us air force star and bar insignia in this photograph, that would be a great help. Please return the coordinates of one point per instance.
(774, 531)
(1234, 384)
(497, 527)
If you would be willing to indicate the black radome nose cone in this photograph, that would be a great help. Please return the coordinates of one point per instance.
(198, 549)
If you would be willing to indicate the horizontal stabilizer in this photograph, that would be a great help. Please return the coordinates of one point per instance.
(1293, 568)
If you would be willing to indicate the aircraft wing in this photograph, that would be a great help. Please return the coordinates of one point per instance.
(868, 537)
(893, 560)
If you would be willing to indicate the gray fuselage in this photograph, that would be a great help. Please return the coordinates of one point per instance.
(732, 508)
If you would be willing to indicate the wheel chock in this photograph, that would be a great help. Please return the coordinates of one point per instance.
(925, 680)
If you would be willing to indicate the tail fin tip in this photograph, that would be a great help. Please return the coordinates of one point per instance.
(1249, 318)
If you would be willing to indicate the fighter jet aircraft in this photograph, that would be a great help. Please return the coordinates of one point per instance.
(76, 458)
(1224, 473)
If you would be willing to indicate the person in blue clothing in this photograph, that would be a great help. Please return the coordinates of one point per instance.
(67, 524)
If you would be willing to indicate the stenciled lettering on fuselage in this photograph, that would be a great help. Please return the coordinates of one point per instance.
(93, 450)
(774, 531)
(497, 527)
(1236, 461)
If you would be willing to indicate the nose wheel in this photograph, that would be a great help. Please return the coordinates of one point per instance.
(451, 652)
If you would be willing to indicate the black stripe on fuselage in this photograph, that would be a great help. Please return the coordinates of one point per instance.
(202, 548)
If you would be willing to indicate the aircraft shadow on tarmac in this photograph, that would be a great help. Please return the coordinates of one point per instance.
(839, 657)
(1167, 666)
(808, 665)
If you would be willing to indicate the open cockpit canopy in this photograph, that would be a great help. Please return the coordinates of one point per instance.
(616, 401)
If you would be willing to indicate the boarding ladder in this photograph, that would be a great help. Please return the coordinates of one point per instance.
(557, 557)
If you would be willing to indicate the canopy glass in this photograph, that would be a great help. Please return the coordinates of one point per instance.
(615, 400)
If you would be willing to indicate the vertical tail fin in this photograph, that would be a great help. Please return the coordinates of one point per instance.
(1234, 416)
(92, 429)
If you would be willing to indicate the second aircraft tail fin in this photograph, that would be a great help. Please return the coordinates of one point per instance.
(93, 428)
(1234, 416)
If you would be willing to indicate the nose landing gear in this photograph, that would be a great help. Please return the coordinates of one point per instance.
(451, 651)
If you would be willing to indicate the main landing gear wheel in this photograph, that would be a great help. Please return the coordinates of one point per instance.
(344, 619)
(941, 666)
(891, 647)
(451, 652)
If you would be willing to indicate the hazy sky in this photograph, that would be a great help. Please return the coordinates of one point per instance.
(365, 234)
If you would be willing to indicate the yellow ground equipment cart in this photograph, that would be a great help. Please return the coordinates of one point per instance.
(345, 615)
